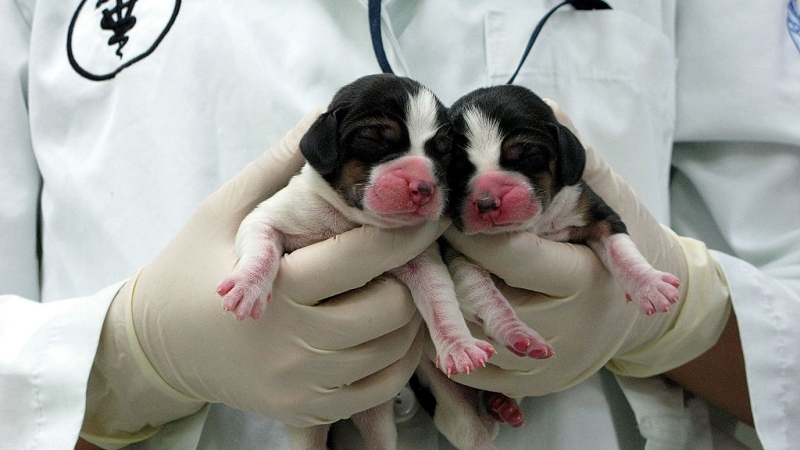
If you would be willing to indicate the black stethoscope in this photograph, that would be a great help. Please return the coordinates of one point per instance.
(374, 11)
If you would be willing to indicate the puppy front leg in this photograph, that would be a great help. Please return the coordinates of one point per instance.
(249, 287)
(311, 438)
(484, 304)
(434, 294)
(377, 427)
(456, 411)
(651, 289)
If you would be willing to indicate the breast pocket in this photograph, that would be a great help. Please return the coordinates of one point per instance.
(613, 73)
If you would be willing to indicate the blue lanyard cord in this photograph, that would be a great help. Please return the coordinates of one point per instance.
(793, 23)
(374, 12)
(577, 4)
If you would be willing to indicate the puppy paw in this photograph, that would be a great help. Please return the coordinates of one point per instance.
(464, 356)
(503, 409)
(522, 341)
(243, 296)
(656, 292)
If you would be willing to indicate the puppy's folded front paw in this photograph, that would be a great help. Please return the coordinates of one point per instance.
(655, 293)
(243, 297)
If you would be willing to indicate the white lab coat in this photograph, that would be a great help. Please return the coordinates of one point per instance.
(111, 167)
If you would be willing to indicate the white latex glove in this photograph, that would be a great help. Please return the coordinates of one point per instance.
(167, 348)
(564, 293)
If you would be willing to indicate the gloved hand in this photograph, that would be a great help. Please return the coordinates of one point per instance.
(564, 293)
(167, 347)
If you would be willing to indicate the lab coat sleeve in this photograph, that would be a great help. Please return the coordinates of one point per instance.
(46, 350)
(46, 353)
(767, 310)
(19, 176)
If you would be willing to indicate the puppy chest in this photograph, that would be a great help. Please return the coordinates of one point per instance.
(312, 224)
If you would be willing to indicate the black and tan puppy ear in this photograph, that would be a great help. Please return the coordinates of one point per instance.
(572, 158)
(320, 145)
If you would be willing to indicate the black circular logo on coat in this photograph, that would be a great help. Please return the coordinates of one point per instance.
(107, 36)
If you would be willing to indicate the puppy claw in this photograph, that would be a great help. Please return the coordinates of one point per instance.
(225, 286)
(463, 356)
(541, 353)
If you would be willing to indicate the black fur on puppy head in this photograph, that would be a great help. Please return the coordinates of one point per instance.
(371, 121)
(505, 131)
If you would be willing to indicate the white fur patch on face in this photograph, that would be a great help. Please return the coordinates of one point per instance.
(421, 121)
(485, 140)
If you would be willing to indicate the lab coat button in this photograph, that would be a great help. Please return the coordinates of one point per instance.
(405, 405)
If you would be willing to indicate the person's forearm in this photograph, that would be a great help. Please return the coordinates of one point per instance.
(718, 375)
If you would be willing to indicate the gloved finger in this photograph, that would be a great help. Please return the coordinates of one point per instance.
(360, 361)
(601, 177)
(585, 330)
(376, 388)
(622, 198)
(596, 168)
(350, 260)
(610, 186)
(358, 316)
(562, 116)
(526, 261)
(262, 177)
(511, 375)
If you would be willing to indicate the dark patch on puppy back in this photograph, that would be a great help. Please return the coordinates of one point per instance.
(601, 220)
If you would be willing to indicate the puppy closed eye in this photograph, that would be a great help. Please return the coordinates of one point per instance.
(515, 150)
(378, 134)
(525, 154)
(375, 142)
(441, 143)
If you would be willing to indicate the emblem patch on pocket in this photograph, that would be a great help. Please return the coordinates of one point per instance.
(107, 36)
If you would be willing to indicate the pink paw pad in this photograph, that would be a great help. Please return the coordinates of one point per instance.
(523, 341)
(504, 410)
(531, 348)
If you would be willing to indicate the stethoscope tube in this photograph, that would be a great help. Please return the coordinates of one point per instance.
(374, 13)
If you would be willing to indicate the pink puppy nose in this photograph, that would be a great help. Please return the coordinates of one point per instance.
(488, 207)
(487, 204)
(421, 191)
